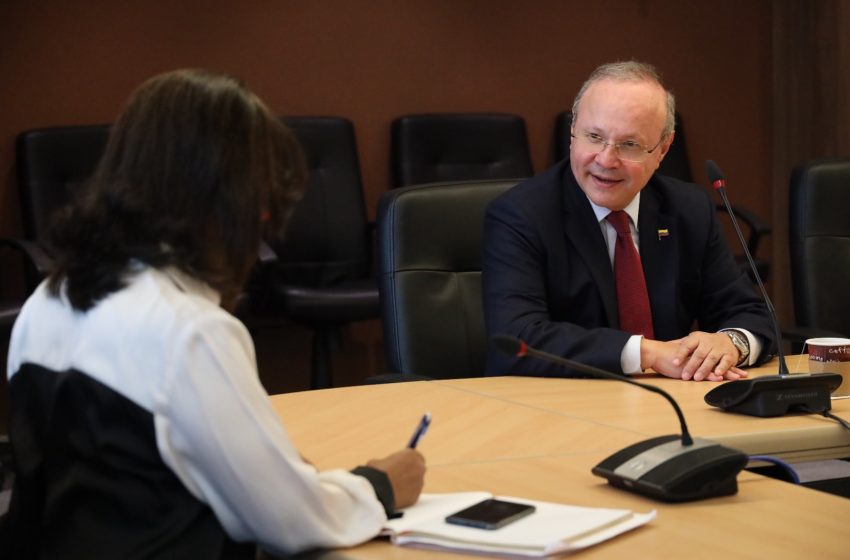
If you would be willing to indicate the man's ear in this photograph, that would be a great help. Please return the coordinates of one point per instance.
(665, 146)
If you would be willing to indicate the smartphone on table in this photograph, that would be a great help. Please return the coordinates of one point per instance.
(490, 514)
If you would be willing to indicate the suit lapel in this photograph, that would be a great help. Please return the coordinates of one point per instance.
(584, 234)
(659, 259)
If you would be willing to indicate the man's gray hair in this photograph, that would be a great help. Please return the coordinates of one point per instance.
(630, 71)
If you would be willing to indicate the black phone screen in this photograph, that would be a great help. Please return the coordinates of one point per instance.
(490, 514)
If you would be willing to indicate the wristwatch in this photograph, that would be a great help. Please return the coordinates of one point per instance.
(741, 343)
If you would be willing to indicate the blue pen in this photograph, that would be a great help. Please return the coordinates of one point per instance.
(420, 430)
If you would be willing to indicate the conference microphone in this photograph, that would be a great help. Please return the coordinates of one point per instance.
(770, 395)
(672, 468)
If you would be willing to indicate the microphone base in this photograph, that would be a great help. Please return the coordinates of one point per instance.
(775, 395)
(664, 469)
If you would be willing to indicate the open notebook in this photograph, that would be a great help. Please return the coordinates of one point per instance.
(551, 529)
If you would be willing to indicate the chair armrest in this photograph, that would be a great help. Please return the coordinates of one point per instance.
(756, 227)
(35, 254)
(265, 254)
(255, 293)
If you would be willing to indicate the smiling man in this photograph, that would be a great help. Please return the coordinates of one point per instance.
(600, 260)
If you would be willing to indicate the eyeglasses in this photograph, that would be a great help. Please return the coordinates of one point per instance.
(627, 150)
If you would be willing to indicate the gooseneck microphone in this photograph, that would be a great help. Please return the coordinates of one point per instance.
(672, 468)
(718, 182)
(771, 395)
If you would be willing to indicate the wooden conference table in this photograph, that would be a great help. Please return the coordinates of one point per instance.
(538, 438)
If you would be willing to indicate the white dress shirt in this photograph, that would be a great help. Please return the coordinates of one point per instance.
(164, 343)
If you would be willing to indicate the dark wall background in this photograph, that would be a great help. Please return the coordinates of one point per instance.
(76, 61)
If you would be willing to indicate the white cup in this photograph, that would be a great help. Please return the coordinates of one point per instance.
(831, 355)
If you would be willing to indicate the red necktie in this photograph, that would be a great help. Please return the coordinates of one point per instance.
(632, 297)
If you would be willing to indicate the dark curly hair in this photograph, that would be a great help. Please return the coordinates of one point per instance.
(195, 172)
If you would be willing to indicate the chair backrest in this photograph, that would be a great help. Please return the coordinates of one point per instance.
(819, 237)
(440, 147)
(51, 163)
(429, 240)
(327, 238)
(675, 163)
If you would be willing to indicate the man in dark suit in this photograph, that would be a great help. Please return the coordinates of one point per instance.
(552, 251)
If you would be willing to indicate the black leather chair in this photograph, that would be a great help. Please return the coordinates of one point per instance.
(51, 164)
(429, 240)
(677, 165)
(819, 240)
(323, 276)
(440, 147)
(9, 309)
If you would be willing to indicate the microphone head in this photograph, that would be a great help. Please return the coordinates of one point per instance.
(509, 344)
(716, 177)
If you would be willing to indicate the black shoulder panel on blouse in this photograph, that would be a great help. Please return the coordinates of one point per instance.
(90, 482)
